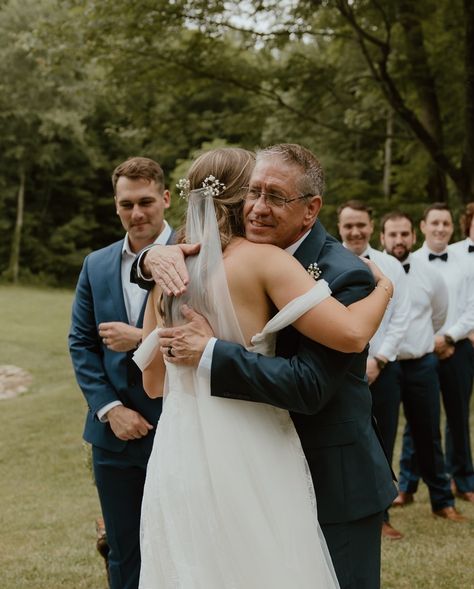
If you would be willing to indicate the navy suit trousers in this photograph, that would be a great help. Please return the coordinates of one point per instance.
(456, 376)
(120, 477)
(422, 451)
(386, 397)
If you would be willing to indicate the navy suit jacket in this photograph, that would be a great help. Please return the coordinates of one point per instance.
(326, 392)
(103, 375)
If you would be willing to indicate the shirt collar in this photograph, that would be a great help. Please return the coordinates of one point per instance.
(161, 239)
(365, 253)
(291, 249)
(430, 251)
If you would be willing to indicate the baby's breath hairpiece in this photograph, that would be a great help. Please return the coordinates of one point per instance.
(211, 185)
(184, 185)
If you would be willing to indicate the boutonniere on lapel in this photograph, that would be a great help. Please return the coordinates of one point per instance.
(314, 270)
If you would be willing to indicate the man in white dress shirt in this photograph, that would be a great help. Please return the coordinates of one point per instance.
(419, 367)
(383, 372)
(107, 319)
(452, 346)
(466, 246)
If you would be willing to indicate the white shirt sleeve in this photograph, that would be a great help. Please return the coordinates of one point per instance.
(439, 302)
(205, 364)
(102, 413)
(465, 323)
(398, 324)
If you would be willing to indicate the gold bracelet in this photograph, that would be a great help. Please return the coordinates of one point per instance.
(385, 287)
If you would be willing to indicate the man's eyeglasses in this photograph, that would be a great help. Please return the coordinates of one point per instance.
(272, 200)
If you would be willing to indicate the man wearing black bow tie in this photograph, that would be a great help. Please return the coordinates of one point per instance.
(452, 345)
(466, 246)
(419, 369)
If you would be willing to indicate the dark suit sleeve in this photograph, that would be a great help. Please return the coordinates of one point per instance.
(134, 277)
(303, 382)
(85, 347)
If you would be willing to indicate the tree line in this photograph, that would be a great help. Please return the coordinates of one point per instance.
(381, 90)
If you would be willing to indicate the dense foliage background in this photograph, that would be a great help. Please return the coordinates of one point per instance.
(381, 90)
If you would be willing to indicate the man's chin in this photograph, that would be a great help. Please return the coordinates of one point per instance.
(260, 235)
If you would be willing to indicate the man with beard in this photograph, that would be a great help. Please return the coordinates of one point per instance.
(419, 375)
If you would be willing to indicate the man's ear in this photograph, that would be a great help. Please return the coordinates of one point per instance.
(423, 226)
(382, 239)
(167, 198)
(313, 207)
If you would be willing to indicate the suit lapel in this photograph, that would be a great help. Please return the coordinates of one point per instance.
(113, 276)
(310, 250)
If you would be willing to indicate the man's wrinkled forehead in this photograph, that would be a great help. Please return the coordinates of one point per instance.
(275, 167)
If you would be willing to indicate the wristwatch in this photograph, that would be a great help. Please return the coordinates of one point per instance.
(449, 340)
(380, 363)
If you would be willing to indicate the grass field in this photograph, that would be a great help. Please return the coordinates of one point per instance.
(48, 503)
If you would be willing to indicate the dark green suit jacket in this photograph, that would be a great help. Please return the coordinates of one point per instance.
(325, 391)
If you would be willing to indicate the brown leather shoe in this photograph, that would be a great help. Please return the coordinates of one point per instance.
(101, 543)
(450, 513)
(388, 531)
(403, 498)
(467, 496)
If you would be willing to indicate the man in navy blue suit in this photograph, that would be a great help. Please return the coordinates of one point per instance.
(107, 319)
(326, 391)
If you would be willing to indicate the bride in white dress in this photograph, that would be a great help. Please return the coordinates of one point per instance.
(229, 502)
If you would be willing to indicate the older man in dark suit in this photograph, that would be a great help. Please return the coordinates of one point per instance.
(326, 391)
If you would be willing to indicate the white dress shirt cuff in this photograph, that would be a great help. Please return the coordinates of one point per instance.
(457, 332)
(139, 267)
(102, 413)
(387, 351)
(205, 363)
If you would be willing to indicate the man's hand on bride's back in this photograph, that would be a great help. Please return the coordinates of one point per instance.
(165, 263)
(185, 344)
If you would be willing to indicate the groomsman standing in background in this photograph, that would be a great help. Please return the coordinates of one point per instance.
(419, 369)
(107, 319)
(466, 246)
(383, 372)
(452, 345)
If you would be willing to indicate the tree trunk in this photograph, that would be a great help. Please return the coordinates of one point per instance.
(14, 265)
(467, 163)
(425, 88)
(387, 167)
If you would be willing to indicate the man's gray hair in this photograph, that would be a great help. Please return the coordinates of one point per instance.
(312, 178)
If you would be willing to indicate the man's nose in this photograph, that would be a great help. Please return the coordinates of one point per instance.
(260, 204)
(137, 211)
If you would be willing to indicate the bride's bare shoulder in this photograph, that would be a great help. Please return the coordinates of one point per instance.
(244, 249)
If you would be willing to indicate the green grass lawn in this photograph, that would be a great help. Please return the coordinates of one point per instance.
(48, 503)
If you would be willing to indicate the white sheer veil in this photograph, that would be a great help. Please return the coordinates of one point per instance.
(207, 292)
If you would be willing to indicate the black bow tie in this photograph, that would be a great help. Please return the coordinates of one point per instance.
(367, 256)
(471, 249)
(443, 257)
(406, 267)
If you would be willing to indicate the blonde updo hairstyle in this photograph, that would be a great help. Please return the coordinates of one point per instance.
(233, 167)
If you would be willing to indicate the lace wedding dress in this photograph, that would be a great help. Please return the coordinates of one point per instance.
(228, 500)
